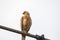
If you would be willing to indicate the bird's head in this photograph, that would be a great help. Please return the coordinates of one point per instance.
(26, 13)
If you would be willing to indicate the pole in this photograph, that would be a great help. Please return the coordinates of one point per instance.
(19, 32)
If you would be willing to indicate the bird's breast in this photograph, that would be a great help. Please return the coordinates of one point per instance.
(24, 21)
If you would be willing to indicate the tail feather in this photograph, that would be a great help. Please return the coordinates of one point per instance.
(23, 37)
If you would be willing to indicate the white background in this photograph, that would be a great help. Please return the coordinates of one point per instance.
(45, 16)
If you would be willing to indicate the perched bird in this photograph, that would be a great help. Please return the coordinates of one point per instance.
(26, 23)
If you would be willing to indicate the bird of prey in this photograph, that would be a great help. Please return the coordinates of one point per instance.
(26, 23)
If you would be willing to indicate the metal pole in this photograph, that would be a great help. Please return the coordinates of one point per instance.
(19, 32)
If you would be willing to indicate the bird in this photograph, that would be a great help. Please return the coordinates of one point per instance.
(26, 23)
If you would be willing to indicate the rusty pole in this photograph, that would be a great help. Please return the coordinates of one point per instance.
(19, 32)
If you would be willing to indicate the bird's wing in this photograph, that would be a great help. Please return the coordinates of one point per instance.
(29, 23)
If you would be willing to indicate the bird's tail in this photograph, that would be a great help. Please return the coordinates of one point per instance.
(23, 37)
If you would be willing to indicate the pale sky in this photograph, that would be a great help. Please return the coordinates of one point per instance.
(45, 16)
